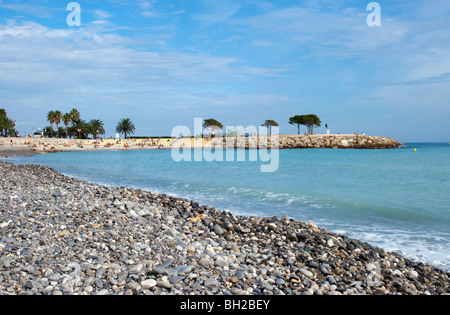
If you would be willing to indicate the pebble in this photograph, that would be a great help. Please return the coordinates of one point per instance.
(148, 284)
(306, 272)
(60, 235)
(164, 284)
(211, 282)
(412, 275)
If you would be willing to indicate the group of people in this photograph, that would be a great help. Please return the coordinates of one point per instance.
(155, 143)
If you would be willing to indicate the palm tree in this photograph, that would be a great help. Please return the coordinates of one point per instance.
(62, 132)
(72, 132)
(51, 118)
(5, 125)
(67, 119)
(75, 115)
(58, 117)
(49, 132)
(12, 128)
(2, 124)
(96, 127)
(125, 126)
(81, 129)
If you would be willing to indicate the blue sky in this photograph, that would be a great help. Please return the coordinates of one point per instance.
(164, 63)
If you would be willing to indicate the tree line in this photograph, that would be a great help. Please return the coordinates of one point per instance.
(80, 129)
(311, 121)
(7, 127)
(75, 127)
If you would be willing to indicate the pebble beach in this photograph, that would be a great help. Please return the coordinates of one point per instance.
(63, 236)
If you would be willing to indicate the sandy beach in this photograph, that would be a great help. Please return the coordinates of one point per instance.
(30, 146)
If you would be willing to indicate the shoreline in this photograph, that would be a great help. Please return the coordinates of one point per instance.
(68, 236)
(30, 146)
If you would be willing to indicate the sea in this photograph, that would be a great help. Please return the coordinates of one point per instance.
(398, 199)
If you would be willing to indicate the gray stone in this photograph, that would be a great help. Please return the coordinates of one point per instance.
(211, 282)
(205, 262)
(122, 276)
(164, 284)
(280, 281)
(239, 275)
(148, 284)
(217, 229)
(100, 272)
(176, 279)
(221, 261)
(306, 272)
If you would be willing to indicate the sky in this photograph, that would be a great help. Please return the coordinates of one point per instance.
(164, 63)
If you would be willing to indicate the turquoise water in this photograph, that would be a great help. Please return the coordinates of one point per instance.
(395, 199)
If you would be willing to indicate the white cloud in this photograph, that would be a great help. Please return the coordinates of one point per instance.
(32, 9)
(148, 9)
(100, 73)
(102, 14)
(217, 11)
(97, 50)
(404, 50)
(340, 33)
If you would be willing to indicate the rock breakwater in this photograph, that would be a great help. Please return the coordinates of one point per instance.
(338, 142)
(309, 142)
(59, 235)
